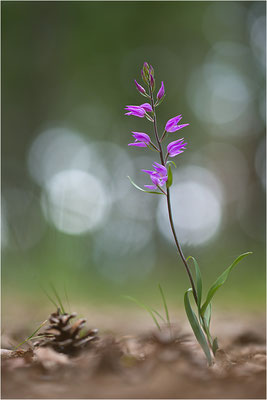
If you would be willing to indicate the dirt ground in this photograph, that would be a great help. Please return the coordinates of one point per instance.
(134, 360)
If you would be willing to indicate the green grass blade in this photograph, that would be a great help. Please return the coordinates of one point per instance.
(165, 305)
(220, 281)
(196, 326)
(67, 297)
(58, 298)
(198, 282)
(49, 297)
(146, 308)
(158, 314)
(142, 190)
(31, 336)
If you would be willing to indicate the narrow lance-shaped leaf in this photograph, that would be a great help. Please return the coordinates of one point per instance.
(143, 190)
(171, 162)
(220, 281)
(169, 181)
(196, 326)
(198, 282)
(215, 346)
(207, 316)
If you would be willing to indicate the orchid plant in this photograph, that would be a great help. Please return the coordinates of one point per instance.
(161, 180)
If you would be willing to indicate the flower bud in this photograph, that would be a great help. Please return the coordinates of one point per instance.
(152, 82)
(139, 88)
(161, 91)
(145, 73)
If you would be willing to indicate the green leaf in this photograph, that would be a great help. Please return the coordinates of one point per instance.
(148, 309)
(169, 181)
(142, 190)
(207, 316)
(220, 281)
(171, 162)
(165, 305)
(199, 282)
(215, 346)
(196, 326)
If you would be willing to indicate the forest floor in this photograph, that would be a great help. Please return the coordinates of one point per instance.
(131, 359)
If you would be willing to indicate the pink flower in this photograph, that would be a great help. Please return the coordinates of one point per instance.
(136, 111)
(141, 139)
(147, 107)
(159, 176)
(176, 147)
(172, 124)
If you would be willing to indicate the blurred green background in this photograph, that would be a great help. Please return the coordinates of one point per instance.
(69, 213)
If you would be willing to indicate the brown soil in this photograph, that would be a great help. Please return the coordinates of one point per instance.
(144, 365)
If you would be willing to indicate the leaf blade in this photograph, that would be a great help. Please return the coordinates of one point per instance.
(169, 181)
(198, 281)
(196, 327)
(142, 190)
(220, 281)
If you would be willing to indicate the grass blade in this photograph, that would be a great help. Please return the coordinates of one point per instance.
(67, 297)
(158, 314)
(196, 327)
(148, 309)
(165, 305)
(31, 336)
(49, 297)
(220, 281)
(58, 298)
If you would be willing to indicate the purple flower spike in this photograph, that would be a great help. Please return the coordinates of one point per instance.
(141, 139)
(139, 87)
(147, 107)
(161, 91)
(136, 111)
(158, 177)
(176, 147)
(172, 124)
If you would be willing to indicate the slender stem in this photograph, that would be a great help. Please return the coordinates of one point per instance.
(163, 162)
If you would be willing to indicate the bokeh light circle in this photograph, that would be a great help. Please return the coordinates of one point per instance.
(75, 202)
(197, 213)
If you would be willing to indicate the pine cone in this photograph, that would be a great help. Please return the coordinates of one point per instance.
(64, 337)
